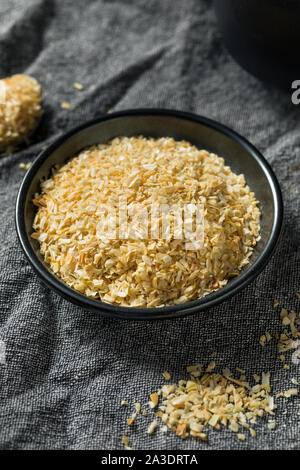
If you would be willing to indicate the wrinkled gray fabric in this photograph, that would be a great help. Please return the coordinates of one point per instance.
(66, 369)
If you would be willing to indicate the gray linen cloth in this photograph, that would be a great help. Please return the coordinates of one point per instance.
(64, 371)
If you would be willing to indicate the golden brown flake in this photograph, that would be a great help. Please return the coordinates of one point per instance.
(65, 105)
(194, 368)
(268, 337)
(154, 399)
(181, 430)
(262, 340)
(283, 313)
(25, 166)
(290, 393)
(256, 378)
(78, 86)
(131, 420)
(125, 441)
(211, 366)
(137, 407)
(167, 375)
(152, 427)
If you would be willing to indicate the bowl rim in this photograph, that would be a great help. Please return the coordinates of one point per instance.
(133, 313)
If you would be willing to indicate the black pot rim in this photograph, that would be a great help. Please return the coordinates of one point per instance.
(128, 313)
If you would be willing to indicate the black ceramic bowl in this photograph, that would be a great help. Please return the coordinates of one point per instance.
(204, 133)
(263, 36)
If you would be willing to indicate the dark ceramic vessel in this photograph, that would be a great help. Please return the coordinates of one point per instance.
(204, 133)
(263, 36)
